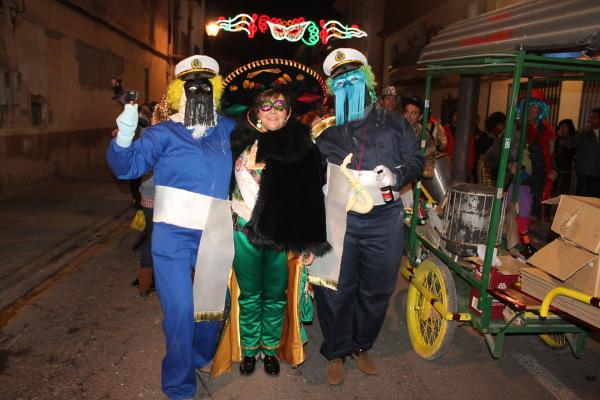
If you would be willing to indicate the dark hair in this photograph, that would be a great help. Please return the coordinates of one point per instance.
(415, 101)
(268, 95)
(494, 119)
(569, 123)
(596, 110)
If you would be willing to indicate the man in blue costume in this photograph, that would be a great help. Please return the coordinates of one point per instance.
(386, 154)
(190, 155)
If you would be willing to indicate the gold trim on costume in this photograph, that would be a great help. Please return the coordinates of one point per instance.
(336, 66)
(291, 348)
(252, 347)
(209, 316)
(328, 283)
(321, 126)
(189, 71)
(260, 71)
(228, 350)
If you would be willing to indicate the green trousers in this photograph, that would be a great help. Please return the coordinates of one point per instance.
(262, 278)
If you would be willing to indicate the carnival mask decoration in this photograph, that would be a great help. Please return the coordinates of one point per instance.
(292, 33)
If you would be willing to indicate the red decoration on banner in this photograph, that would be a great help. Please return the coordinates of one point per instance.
(489, 38)
(323, 32)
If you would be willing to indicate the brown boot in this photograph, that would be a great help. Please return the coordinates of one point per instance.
(145, 280)
(335, 371)
(365, 363)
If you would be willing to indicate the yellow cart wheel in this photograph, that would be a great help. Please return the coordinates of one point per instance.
(430, 334)
(554, 340)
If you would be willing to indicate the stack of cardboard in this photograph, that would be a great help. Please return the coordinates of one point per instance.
(572, 260)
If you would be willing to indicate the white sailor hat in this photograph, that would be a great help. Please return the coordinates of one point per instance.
(197, 64)
(340, 57)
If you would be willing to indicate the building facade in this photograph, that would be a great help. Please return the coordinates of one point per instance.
(57, 59)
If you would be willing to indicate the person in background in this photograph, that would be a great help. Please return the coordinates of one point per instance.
(388, 98)
(587, 153)
(532, 175)
(563, 157)
(494, 127)
(145, 277)
(541, 132)
(436, 138)
(450, 129)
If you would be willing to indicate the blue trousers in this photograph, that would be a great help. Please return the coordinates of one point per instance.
(189, 345)
(351, 317)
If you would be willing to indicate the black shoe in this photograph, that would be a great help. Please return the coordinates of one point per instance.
(135, 282)
(271, 365)
(247, 365)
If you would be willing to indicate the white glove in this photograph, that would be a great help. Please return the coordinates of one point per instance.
(127, 122)
(385, 176)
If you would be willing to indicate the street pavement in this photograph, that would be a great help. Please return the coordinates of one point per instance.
(44, 226)
(85, 333)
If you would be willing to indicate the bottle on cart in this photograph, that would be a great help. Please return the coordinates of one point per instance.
(384, 187)
(422, 212)
(528, 250)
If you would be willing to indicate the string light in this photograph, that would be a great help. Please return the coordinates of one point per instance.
(239, 23)
(292, 30)
(334, 29)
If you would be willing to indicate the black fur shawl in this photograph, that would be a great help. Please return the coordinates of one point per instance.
(289, 214)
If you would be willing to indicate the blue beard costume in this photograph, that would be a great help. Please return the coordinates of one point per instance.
(349, 88)
(351, 316)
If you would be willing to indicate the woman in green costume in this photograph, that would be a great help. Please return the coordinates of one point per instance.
(278, 205)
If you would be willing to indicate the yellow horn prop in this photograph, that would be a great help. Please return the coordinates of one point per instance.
(360, 200)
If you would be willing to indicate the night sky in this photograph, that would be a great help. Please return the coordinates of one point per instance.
(235, 48)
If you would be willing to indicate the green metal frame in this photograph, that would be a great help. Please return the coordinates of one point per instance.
(520, 65)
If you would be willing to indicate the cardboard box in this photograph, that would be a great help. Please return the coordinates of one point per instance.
(497, 306)
(576, 267)
(504, 275)
(574, 257)
(537, 283)
(577, 220)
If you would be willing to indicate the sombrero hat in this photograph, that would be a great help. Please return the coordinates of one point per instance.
(304, 85)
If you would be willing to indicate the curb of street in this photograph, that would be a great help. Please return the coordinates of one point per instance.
(32, 274)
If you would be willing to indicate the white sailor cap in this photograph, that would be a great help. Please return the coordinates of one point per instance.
(197, 63)
(343, 56)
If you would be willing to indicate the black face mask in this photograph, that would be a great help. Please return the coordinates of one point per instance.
(199, 103)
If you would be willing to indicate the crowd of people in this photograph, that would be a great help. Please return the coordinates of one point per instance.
(263, 191)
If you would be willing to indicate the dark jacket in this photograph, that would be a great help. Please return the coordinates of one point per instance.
(587, 153)
(382, 138)
(289, 214)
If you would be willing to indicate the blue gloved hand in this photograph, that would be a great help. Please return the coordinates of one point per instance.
(385, 176)
(127, 122)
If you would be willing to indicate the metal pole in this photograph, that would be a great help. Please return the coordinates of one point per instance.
(412, 242)
(522, 139)
(485, 300)
(467, 111)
